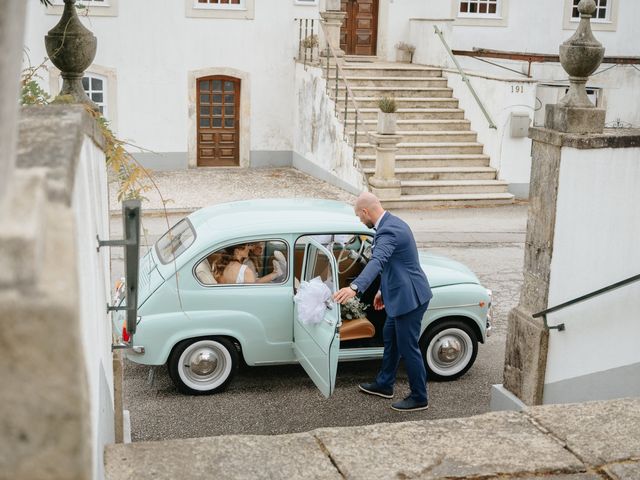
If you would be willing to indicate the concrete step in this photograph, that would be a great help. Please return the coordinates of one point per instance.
(361, 58)
(448, 200)
(396, 92)
(410, 114)
(402, 102)
(407, 161)
(395, 82)
(428, 187)
(408, 148)
(416, 136)
(388, 70)
(441, 173)
(416, 124)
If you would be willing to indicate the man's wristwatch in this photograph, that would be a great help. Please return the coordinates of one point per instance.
(354, 287)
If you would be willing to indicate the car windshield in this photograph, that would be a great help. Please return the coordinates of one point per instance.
(173, 243)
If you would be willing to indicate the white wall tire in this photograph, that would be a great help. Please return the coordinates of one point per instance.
(449, 350)
(203, 366)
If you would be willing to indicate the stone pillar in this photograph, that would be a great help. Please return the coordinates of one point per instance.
(11, 38)
(528, 337)
(332, 20)
(384, 184)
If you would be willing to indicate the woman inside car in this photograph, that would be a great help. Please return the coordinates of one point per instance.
(236, 267)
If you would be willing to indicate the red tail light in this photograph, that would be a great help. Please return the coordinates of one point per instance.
(125, 334)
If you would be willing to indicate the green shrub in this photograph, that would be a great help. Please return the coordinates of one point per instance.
(387, 105)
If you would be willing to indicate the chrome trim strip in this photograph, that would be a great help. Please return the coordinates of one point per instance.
(454, 306)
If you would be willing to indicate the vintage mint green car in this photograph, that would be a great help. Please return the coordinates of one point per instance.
(220, 286)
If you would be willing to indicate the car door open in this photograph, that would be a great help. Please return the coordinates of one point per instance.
(316, 345)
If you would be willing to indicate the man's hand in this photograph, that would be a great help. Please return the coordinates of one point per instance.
(344, 294)
(378, 304)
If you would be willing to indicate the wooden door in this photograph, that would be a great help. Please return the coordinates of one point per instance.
(359, 31)
(218, 121)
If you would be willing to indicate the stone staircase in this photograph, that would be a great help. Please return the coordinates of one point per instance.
(439, 160)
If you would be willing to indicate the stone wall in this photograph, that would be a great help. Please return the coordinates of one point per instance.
(55, 360)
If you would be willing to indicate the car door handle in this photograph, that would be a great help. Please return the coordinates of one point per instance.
(328, 304)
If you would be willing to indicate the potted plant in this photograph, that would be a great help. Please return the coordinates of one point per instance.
(404, 52)
(352, 309)
(387, 116)
(311, 43)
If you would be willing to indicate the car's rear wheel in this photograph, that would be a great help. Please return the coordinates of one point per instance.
(449, 349)
(203, 366)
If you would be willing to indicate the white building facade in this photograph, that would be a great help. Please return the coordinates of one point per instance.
(170, 74)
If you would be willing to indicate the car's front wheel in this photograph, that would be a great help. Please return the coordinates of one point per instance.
(449, 349)
(202, 366)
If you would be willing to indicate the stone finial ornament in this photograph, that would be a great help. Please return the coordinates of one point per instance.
(71, 48)
(580, 56)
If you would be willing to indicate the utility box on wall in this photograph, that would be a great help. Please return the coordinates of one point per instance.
(520, 124)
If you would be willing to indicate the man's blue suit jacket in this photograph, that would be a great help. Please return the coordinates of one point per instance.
(404, 284)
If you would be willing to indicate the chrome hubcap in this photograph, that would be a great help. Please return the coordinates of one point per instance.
(203, 362)
(448, 349)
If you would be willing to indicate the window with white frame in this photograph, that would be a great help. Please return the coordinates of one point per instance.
(602, 13)
(238, 9)
(95, 87)
(479, 8)
(105, 8)
(219, 4)
(604, 17)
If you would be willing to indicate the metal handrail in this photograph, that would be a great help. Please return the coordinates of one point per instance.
(348, 96)
(595, 293)
(465, 79)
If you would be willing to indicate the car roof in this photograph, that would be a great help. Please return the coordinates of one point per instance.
(272, 217)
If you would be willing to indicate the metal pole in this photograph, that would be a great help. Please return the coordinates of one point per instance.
(346, 111)
(327, 76)
(299, 39)
(335, 97)
(355, 137)
(306, 35)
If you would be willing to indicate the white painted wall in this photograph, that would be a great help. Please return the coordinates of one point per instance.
(152, 45)
(90, 207)
(511, 156)
(318, 134)
(596, 244)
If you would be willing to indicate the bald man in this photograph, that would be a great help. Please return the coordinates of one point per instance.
(404, 293)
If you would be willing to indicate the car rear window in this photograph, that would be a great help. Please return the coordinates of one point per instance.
(173, 243)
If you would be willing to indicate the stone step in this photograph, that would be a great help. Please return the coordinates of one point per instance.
(402, 102)
(407, 148)
(410, 114)
(417, 124)
(417, 136)
(448, 200)
(395, 82)
(396, 92)
(441, 173)
(387, 70)
(361, 58)
(427, 187)
(407, 161)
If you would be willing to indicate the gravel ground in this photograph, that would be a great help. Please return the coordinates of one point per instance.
(282, 399)
(186, 189)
